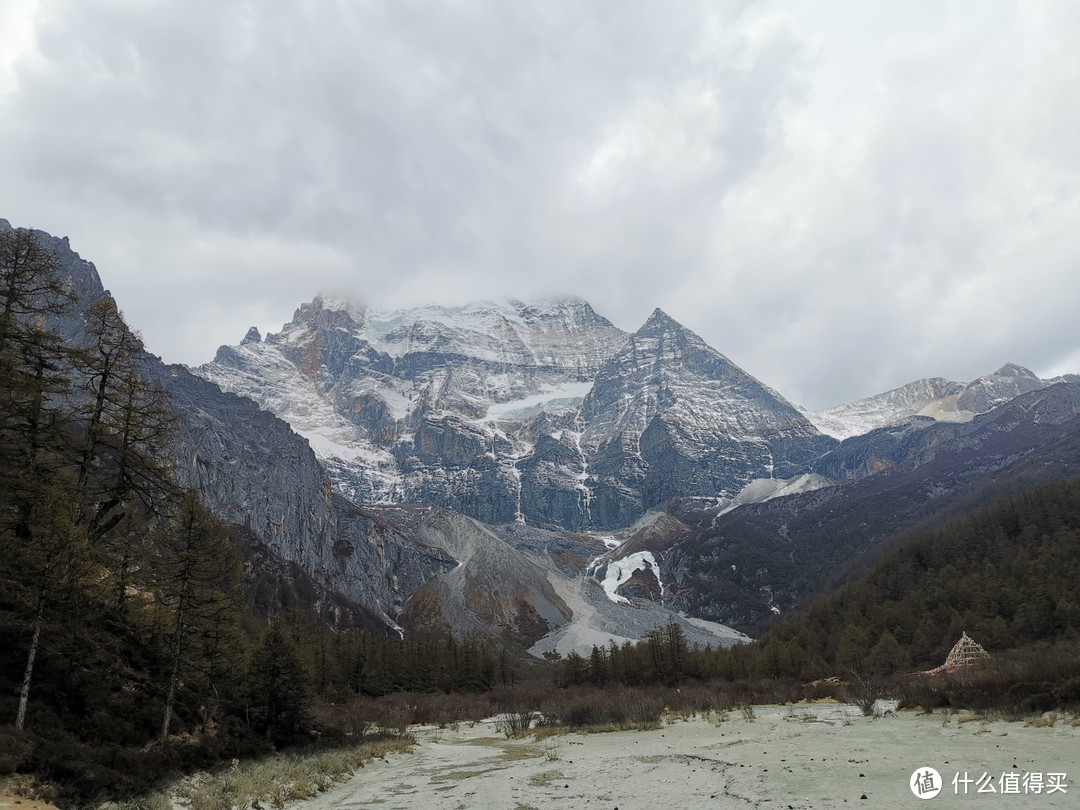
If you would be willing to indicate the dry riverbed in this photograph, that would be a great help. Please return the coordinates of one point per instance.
(814, 756)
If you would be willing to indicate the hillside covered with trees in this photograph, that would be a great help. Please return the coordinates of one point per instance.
(1006, 574)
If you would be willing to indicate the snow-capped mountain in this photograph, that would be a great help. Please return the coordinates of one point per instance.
(668, 416)
(938, 398)
(543, 412)
(404, 406)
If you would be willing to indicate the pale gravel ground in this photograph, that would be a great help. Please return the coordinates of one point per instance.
(778, 761)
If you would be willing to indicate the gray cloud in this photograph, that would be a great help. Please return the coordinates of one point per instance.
(839, 198)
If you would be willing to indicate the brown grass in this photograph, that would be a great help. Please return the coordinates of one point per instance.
(545, 778)
(1048, 720)
(272, 781)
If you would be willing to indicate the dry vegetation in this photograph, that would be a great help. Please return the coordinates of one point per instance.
(270, 782)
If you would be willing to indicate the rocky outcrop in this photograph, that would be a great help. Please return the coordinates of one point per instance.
(426, 406)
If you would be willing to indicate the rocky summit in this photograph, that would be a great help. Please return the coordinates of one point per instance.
(541, 413)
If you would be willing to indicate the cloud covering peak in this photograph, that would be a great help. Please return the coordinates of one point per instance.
(840, 197)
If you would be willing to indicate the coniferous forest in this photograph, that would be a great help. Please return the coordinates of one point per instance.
(1006, 575)
(132, 652)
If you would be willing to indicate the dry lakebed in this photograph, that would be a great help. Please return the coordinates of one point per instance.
(812, 756)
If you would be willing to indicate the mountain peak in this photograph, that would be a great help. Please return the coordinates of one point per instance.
(329, 310)
(1013, 370)
(660, 323)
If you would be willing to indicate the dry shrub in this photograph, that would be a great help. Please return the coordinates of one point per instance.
(1037, 678)
(394, 712)
(440, 709)
(692, 699)
(593, 709)
(282, 778)
(515, 723)
(551, 750)
(354, 717)
(545, 778)
(14, 749)
(644, 710)
(1048, 720)
(156, 801)
(863, 690)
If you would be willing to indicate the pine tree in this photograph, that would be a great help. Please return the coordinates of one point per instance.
(195, 571)
(34, 422)
(45, 575)
(43, 559)
(280, 687)
(122, 468)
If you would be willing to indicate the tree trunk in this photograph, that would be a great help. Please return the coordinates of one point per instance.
(174, 676)
(24, 693)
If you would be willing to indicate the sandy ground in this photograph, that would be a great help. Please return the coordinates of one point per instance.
(16, 803)
(817, 756)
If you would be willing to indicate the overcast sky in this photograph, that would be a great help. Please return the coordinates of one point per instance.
(840, 196)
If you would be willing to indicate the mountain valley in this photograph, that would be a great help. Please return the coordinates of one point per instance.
(532, 473)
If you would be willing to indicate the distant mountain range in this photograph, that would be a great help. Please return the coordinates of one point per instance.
(739, 566)
(934, 397)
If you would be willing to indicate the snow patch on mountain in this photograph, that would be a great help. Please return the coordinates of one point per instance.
(765, 489)
(619, 572)
(550, 397)
(599, 621)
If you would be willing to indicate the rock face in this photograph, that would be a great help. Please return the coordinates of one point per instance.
(539, 413)
(252, 470)
(432, 405)
(670, 417)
